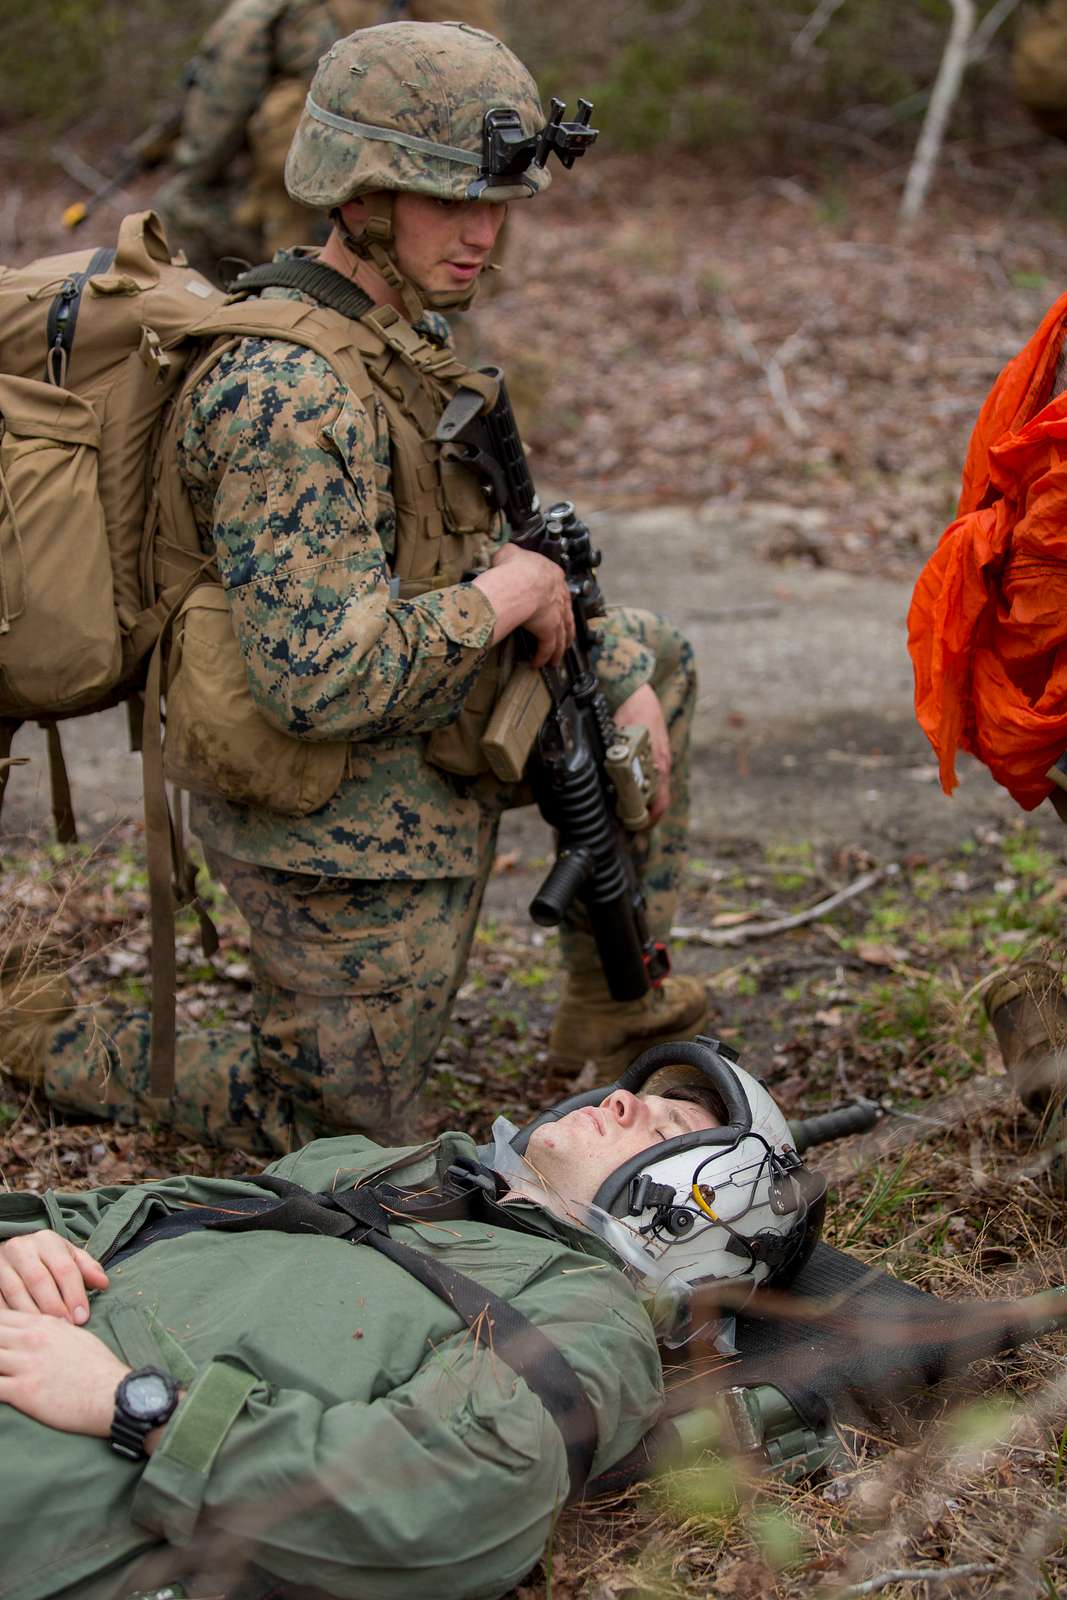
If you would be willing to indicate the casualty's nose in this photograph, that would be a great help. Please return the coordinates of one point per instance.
(625, 1106)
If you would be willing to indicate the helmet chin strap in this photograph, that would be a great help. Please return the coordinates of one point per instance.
(376, 245)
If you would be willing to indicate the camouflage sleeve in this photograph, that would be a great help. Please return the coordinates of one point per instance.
(232, 72)
(626, 659)
(280, 462)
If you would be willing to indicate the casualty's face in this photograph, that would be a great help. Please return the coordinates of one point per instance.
(575, 1155)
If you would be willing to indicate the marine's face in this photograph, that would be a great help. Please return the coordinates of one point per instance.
(575, 1155)
(442, 245)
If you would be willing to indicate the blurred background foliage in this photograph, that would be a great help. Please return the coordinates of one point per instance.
(750, 76)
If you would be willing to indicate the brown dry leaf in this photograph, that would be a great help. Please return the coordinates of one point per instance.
(731, 919)
(832, 1017)
(507, 861)
(880, 955)
(1054, 895)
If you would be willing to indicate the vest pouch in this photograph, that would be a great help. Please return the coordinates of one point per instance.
(466, 510)
(458, 748)
(60, 644)
(216, 742)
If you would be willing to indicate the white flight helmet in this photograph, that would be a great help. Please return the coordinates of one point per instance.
(733, 1204)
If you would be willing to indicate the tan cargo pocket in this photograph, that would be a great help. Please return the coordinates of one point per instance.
(216, 742)
(60, 646)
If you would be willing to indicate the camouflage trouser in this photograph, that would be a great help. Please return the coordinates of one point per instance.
(354, 979)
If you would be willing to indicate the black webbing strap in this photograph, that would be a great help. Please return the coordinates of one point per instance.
(63, 317)
(328, 287)
(494, 1322)
(360, 1216)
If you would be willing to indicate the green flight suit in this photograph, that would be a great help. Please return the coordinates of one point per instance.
(342, 1429)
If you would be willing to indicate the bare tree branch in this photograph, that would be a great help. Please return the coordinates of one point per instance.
(815, 25)
(972, 1569)
(764, 930)
(994, 18)
(942, 99)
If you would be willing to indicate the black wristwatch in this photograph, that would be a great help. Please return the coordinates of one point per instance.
(144, 1400)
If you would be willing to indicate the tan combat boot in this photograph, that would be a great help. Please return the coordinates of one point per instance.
(32, 1001)
(590, 1026)
(1028, 1010)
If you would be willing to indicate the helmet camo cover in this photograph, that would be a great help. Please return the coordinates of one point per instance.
(402, 107)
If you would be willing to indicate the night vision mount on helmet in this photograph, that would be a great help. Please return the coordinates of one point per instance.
(733, 1204)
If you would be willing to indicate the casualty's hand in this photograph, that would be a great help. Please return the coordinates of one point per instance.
(60, 1375)
(643, 707)
(529, 591)
(44, 1273)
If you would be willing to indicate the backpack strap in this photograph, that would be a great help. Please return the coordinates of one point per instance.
(325, 285)
(294, 321)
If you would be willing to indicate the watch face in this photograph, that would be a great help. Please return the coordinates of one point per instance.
(145, 1395)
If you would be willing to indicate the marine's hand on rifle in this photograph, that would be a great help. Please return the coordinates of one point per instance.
(529, 591)
(643, 707)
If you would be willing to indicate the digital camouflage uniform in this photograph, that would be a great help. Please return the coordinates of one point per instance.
(227, 196)
(363, 912)
(342, 1429)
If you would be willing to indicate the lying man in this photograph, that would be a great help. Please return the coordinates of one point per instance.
(203, 1382)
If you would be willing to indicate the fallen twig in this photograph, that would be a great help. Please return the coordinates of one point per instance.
(763, 930)
(970, 1569)
(770, 366)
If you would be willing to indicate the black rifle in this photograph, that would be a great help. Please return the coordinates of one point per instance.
(568, 768)
(149, 150)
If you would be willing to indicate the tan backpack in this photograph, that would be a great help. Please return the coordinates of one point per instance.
(92, 347)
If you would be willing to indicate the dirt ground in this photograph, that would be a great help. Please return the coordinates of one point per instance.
(760, 397)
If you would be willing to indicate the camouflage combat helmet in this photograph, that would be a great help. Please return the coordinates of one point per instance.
(437, 109)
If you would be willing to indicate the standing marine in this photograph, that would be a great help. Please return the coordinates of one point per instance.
(363, 617)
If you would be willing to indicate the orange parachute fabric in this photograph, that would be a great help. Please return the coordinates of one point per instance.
(987, 626)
